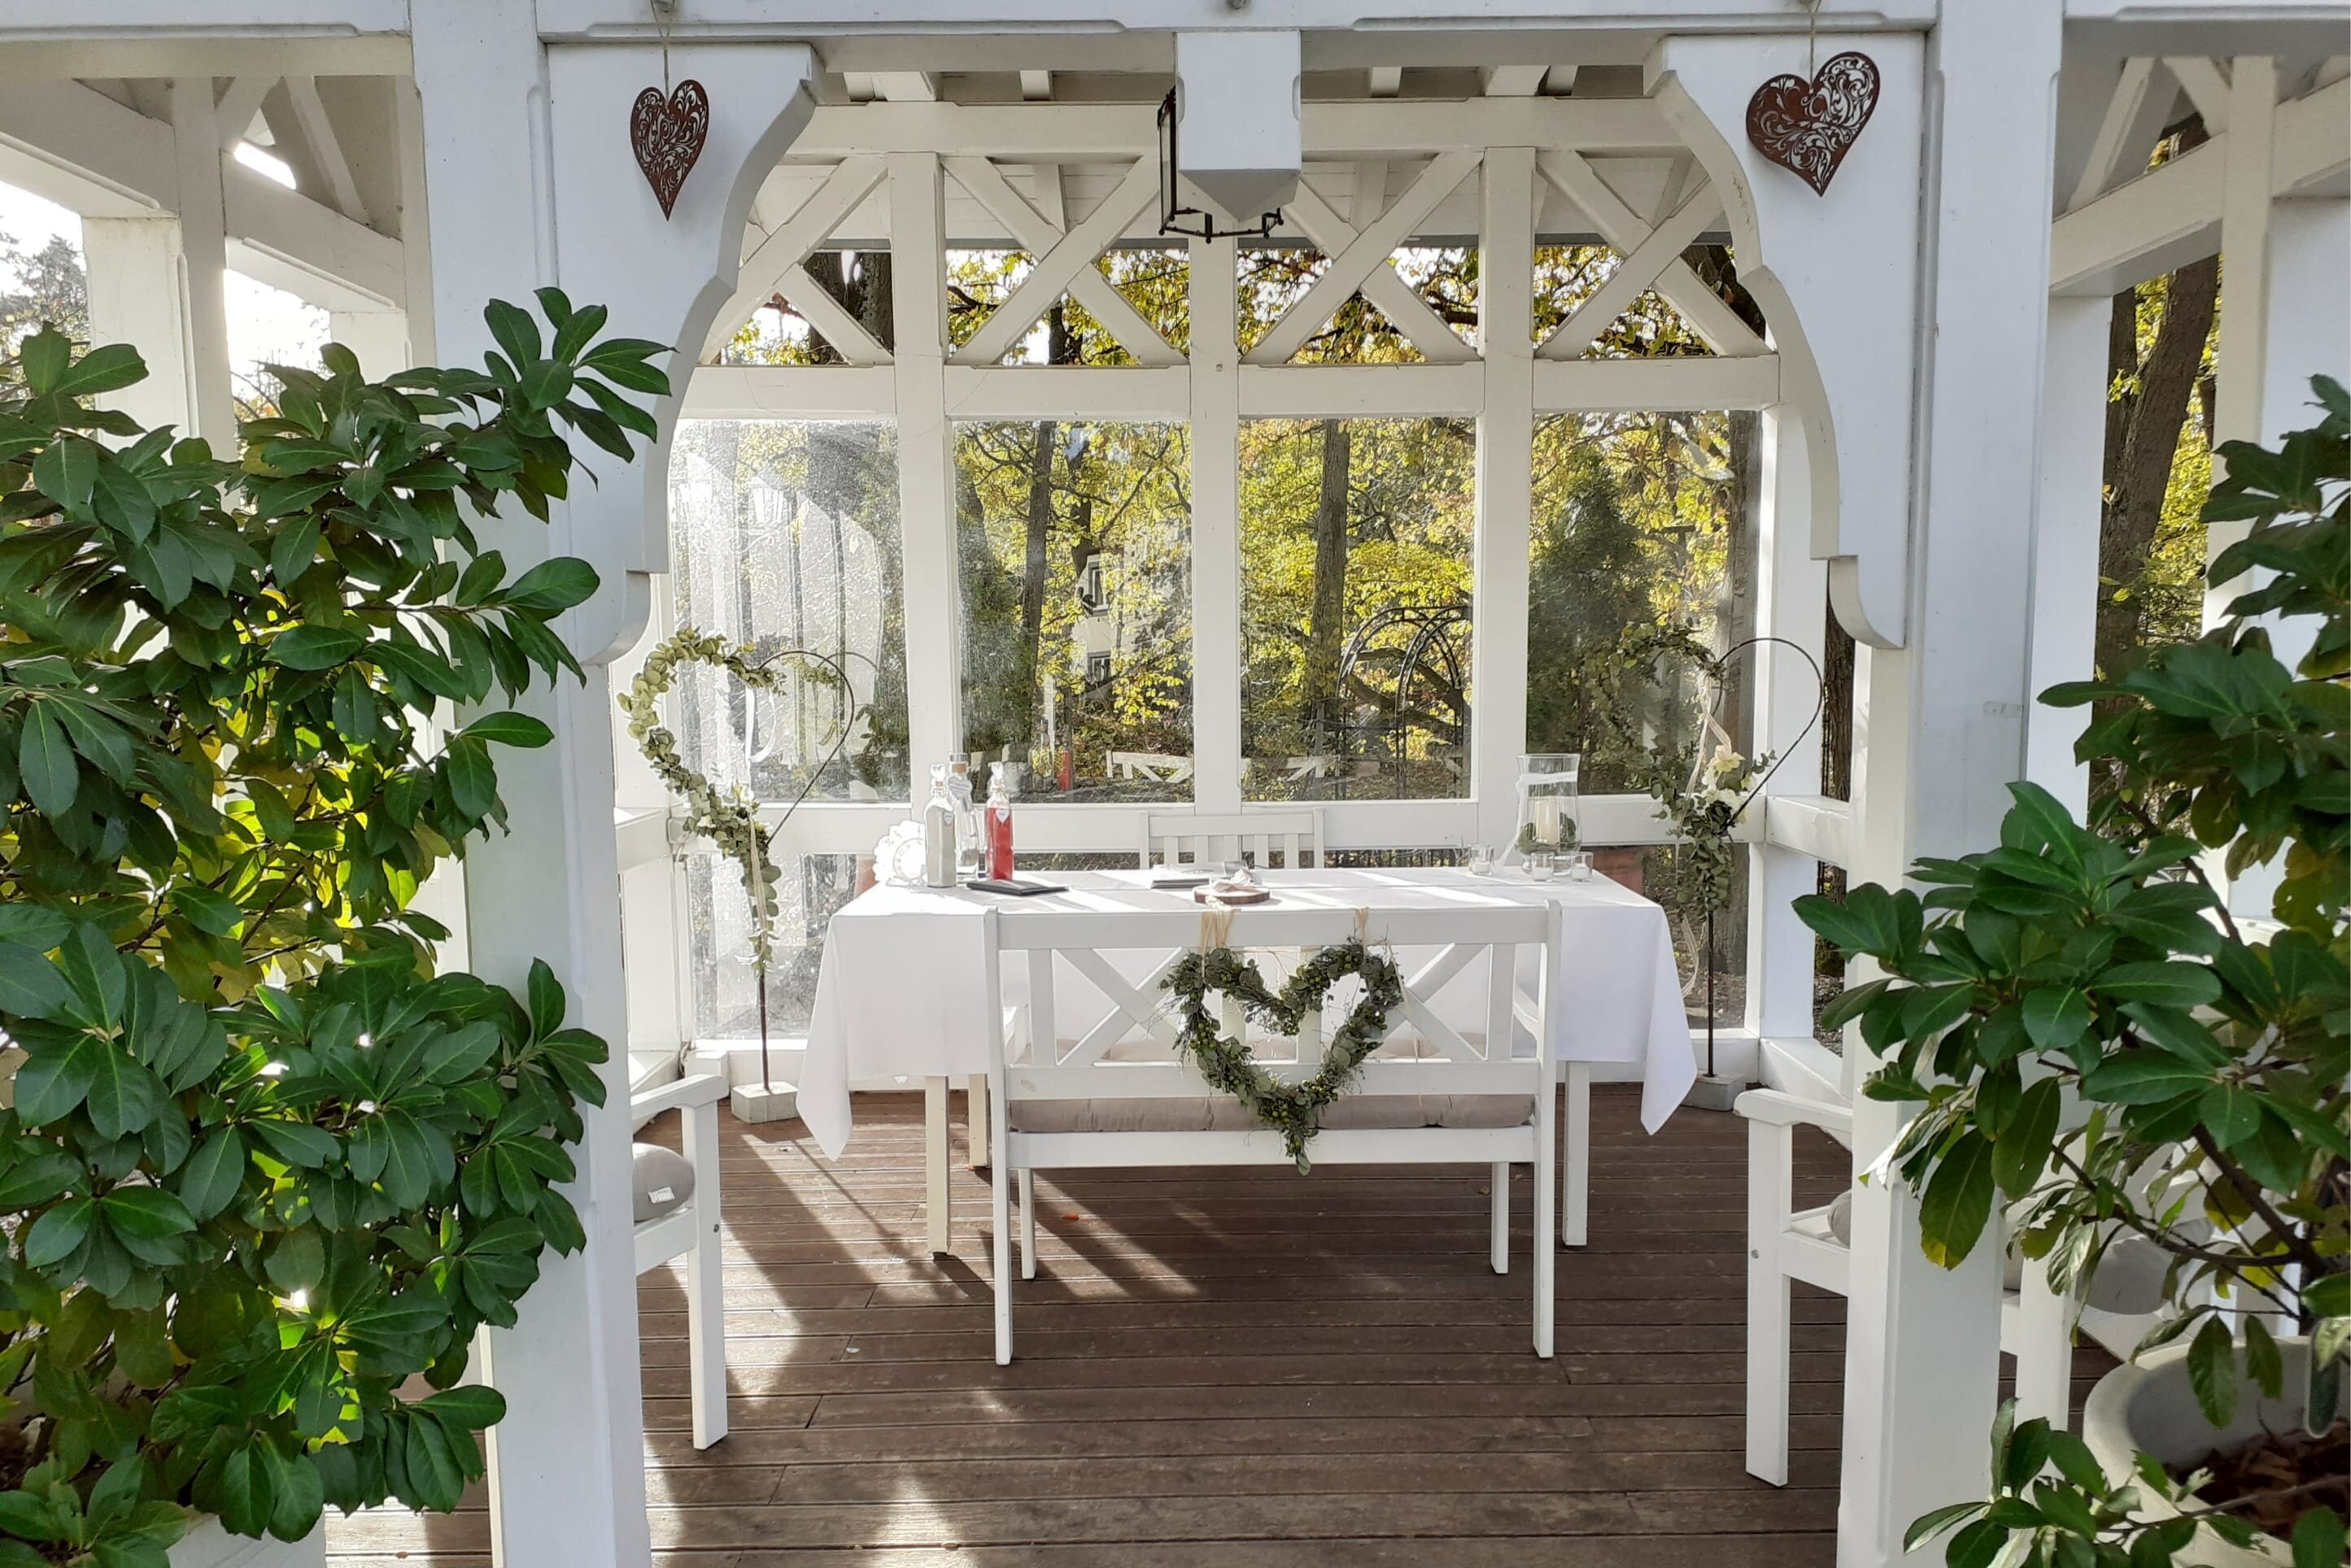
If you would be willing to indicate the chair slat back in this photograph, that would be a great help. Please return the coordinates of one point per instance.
(1205, 838)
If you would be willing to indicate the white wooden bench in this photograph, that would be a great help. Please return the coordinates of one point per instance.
(1122, 1095)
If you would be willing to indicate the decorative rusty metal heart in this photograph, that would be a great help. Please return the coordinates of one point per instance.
(1808, 127)
(667, 132)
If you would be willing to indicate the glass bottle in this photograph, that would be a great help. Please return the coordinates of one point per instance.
(999, 821)
(939, 832)
(967, 817)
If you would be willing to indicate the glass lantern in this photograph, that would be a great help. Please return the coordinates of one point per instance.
(1547, 803)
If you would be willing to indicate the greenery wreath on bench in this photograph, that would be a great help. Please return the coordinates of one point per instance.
(1295, 1110)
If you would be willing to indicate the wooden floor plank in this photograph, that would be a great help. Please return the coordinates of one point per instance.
(1228, 1368)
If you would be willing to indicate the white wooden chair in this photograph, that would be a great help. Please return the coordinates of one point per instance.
(1785, 1244)
(1120, 1093)
(675, 1198)
(1294, 832)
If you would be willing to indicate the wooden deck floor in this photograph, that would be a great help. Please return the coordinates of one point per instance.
(1223, 1369)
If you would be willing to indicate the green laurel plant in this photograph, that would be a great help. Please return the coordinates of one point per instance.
(261, 1165)
(2099, 1048)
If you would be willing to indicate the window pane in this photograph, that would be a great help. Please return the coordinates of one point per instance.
(1076, 562)
(726, 989)
(1641, 522)
(785, 535)
(1356, 545)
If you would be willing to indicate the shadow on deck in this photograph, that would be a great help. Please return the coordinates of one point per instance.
(1223, 1369)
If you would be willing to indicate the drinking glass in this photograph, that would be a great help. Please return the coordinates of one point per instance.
(1540, 863)
(1579, 865)
(1482, 861)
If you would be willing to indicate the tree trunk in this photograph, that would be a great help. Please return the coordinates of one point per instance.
(2142, 469)
(1325, 626)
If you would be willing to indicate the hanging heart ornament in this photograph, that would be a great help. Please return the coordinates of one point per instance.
(1808, 127)
(667, 132)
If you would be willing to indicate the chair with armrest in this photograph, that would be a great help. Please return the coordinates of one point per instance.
(674, 1197)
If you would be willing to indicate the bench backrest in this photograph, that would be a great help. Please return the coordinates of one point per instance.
(1129, 1052)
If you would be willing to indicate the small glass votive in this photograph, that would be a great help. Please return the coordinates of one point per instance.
(1579, 865)
(1482, 861)
(1540, 863)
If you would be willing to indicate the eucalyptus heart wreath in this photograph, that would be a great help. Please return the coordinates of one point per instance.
(1294, 1110)
(729, 816)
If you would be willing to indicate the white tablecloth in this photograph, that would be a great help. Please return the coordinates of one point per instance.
(899, 994)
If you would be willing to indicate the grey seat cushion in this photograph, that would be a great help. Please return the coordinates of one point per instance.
(1220, 1113)
(660, 1181)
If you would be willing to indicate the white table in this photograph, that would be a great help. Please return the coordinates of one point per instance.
(899, 993)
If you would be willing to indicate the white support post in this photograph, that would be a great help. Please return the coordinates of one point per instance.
(1216, 528)
(1505, 486)
(380, 338)
(927, 496)
(2065, 541)
(2241, 365)
(1575, 1164)
(1947, 734)
(137, 283)
(203, 245)
(2309, 332)
(567, 1465)
(1792, 602)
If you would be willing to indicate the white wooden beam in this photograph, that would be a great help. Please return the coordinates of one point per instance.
(2207, 86)
(1371, 248)
(288, 241)
(1514, 81)
(1715, 322)
(1506, 261)
(1143, 394)
(906, 87)
(1035, 234)
(791, 392)
(1413, 128)
(926, 495)
(203, 245)
(1361, 391)
(1215, 414)
(1811, 824)
(317, 134)
(1668, 385)
(1058, 268)
(2241, 359)
(239, 102)
(2170, 216)
(1037, 87)
(2124, 136)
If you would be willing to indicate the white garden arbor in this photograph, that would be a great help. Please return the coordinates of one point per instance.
(1931, 387)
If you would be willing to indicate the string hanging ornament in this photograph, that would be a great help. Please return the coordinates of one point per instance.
(1807, 127)
(668, 126)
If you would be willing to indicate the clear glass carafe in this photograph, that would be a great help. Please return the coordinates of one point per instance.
(1548, 811)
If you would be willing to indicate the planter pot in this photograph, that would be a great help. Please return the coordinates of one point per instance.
(207, 1545)
(2147, 1406)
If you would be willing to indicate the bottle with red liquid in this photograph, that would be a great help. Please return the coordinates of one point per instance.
(996, 829)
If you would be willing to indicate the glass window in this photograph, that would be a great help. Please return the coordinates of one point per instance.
(1155, 283)
(725, 987)
(1076, 563)
(785, 535)
(1273, 277)
(1641, 540)
(777, 333)
(1356, 570)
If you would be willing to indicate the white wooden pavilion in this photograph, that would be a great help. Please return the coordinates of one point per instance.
(1932, 387)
